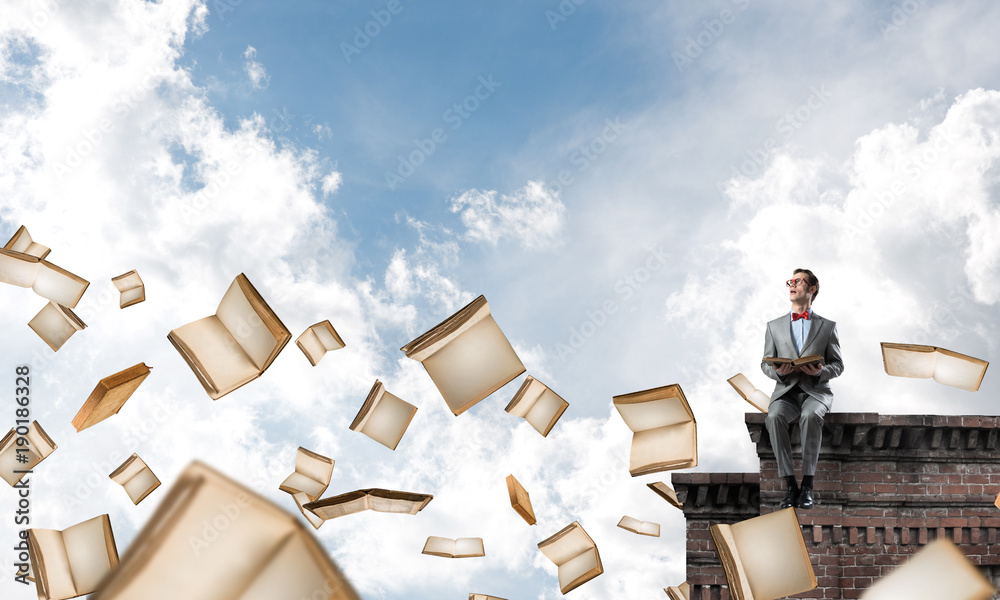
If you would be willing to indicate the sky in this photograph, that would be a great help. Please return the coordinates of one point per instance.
(628, 183)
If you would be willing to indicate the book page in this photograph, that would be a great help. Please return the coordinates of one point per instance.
(670, 444)
(58, 285)
(314, 466)
(9, 463)
(18, 269)
(52, 326)
(41, 443)
(575, 568)
(311, 346)
(388, 420)
(567, 544)
(397, 502)
(292, 572)
(246, 326)
(545, 408)
(143, 482)
(526, 397)
(439, 546)
(909, 361)
(939, 570)
(300, 501)
(958, 370)
(132, 295)
(57, 573)
(469, 547)
(773, 554)
(326, 335)
(473, 365)
(339, 506)
(225, 363)
(128, 282)
(742, 385)
(643, 416)
(87, 551)
(297, 482)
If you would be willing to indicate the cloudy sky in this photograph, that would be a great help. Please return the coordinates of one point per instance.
(628, 183)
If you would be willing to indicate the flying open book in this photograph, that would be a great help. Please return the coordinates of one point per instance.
(484, 597)
(575, 555)
(137, 479)
(751, 394)
(21, 242)
(235, 345)
(939, 570)
(214, 539)
(46, 279)
(519, 500)
(458, 548)
(72, 562)
(55, 324)
(317, 340)
(538, 405)
(641, 527)
(764, 558)
(379, 500)
(666, 492)
(311, 476)
(945, 366)
(665, 433)
(39, 447)
(467, 356)
(679, 592)
(131, 288)
(110, 396)
(384, 417)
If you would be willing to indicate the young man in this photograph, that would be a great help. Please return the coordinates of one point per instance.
(802, 393)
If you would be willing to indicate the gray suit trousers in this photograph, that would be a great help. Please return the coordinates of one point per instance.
(795, 404)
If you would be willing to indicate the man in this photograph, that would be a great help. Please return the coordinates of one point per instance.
(802, 393)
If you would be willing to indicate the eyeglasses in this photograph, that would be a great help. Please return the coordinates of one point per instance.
(795, 281)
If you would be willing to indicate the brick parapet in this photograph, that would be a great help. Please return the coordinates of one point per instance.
(886, 485)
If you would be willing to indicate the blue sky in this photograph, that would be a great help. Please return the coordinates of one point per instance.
(629, 190)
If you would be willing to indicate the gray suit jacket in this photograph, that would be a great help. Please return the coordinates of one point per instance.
(822, 340)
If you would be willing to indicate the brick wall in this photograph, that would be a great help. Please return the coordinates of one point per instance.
(885, 486)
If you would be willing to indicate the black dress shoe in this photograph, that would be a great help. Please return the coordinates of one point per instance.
(805, 498)
(791, 497)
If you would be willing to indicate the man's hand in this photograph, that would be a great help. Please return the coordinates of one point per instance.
(813, 369)
(784, 369)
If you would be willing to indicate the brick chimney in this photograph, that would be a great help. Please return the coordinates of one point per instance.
(886, 485)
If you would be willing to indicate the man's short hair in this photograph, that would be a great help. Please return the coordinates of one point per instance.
(811, 279)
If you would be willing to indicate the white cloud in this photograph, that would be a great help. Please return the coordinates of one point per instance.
(907, 252)
(255, 70)
(532, 216)
(332, 182)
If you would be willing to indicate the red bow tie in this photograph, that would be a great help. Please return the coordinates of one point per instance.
(802, 315)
